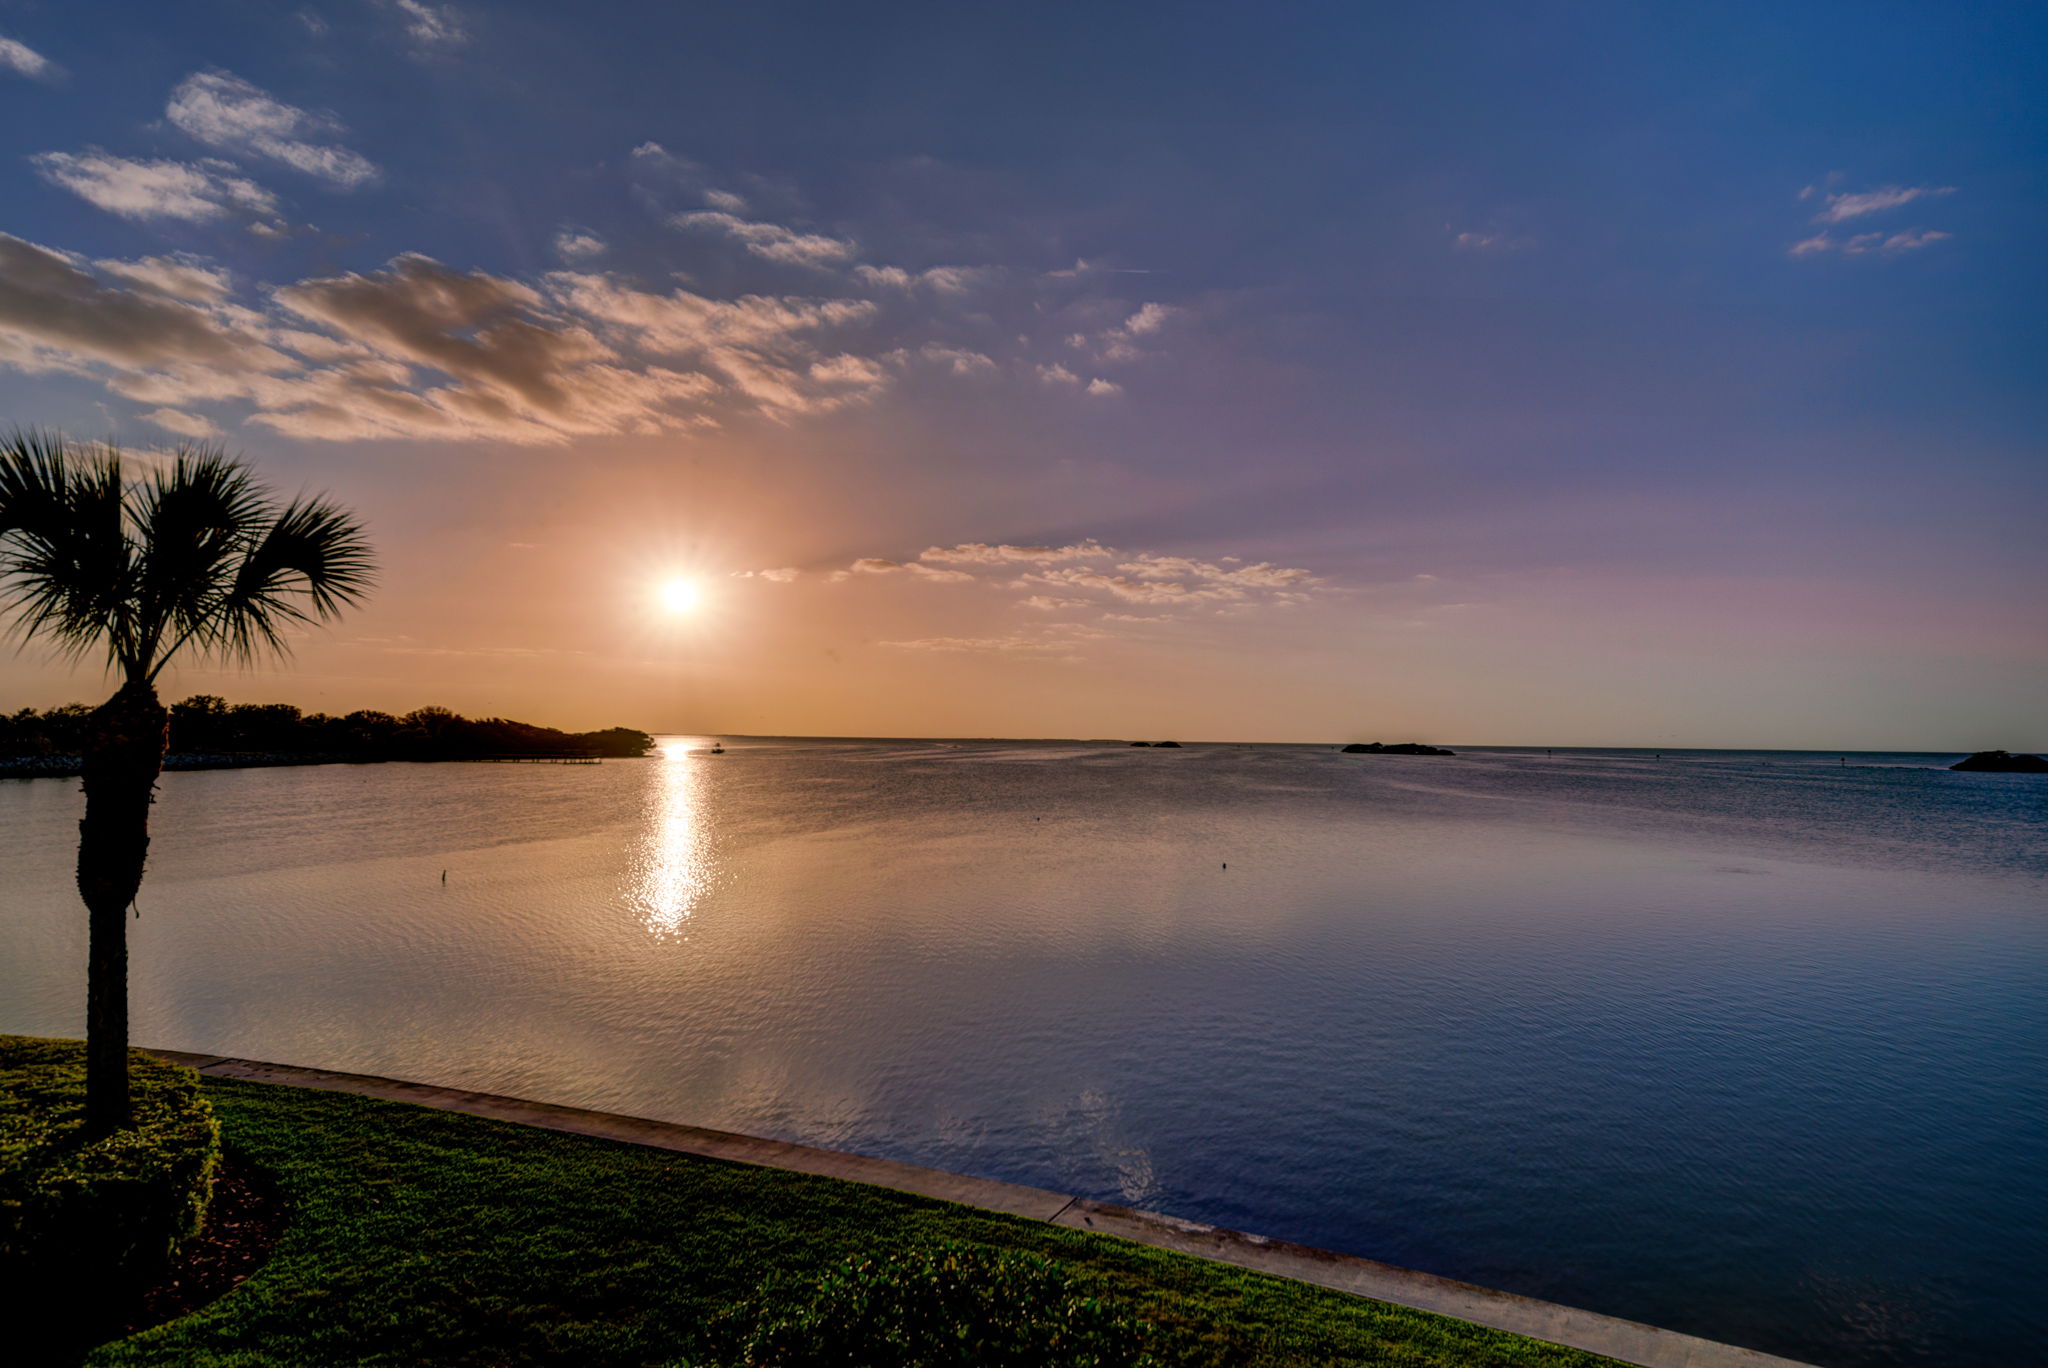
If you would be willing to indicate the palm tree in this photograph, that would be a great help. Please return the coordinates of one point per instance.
(190, 554)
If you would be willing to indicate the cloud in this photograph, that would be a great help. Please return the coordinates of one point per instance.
(433, 26)
(413, 350)
(981, 553)
(945, 280)
(1264, 574)
(184, 424)
(770, 240)
(421, 350)
(958, 361)
(726, 200)
(521, 372)
(848, 369)
(193, 192)
(1841, 208)
(1125, 587)
(59, 315)
(575, 245)
(781, 576)
(1121, 342)
(681, 322)
(1150, 318)
(1160, 579)
(1058, 578)
(179, 276)
(1057, 374)
(880, 565)
(19, 57)
(1868, 244)
(1910, 241)
(758, 345)
(1042, 643)
(1490, 240)
(225, 111)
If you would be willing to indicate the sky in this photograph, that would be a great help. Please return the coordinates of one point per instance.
(1577, 374)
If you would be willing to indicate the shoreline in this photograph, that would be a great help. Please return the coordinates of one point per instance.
(1630, 1342)
(71, 766)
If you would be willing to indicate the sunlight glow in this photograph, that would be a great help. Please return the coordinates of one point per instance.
(681, 596)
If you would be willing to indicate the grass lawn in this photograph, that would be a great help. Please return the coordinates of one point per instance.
(420, 1236)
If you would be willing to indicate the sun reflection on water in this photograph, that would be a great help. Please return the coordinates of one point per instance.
(675, 868)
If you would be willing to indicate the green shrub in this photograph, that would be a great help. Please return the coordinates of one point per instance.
(107, 1214)
(944, 1306)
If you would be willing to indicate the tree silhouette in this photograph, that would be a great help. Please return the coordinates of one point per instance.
(189, 555)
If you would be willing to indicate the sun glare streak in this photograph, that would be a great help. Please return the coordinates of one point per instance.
(675, 869)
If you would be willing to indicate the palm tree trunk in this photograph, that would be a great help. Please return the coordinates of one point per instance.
(124, 753)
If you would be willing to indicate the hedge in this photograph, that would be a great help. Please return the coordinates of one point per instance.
(108, 1214)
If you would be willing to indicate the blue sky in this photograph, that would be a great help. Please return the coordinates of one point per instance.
(1600, 373)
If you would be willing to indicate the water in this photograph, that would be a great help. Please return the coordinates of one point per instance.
(1748, 1045)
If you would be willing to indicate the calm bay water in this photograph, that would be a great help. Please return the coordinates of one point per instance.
(1749, 1045)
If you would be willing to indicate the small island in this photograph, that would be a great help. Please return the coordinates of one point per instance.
(1401, 748)
(2002, 762)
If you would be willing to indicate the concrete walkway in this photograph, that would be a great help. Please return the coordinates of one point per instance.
(1627, 1341)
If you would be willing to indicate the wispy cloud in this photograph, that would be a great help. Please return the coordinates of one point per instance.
(19, 57)
(574, 244)
(1839, 208)
(880, 565)
(184, 424)
(1868, 244)
(770, 240)
(1051, 640)
(981, 553)
(1085, 576)
(957, 359)
(1844, 206)
(227, 112)
(192, 191)
(945, 280)
(431, 26)
(1123, 342)
(180, 276)
(1485, 240)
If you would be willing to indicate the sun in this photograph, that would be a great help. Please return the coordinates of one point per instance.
(680, 595)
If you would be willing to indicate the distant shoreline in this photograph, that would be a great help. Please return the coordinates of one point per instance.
(71, 766)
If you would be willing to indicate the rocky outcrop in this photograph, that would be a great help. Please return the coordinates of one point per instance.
(1401, 748)
(2001, 762)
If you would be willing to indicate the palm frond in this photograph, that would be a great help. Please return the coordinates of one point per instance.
(312, 562)
(194, 519)
(66, 560)
(195, 553)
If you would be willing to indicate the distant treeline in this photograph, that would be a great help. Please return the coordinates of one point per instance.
(207, 725)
